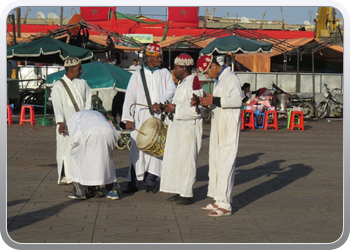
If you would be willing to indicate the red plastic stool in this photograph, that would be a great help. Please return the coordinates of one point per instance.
(250, 123)
(23, 115)
(242, 119)
(9, 115)
(292, 124)
(274, 124)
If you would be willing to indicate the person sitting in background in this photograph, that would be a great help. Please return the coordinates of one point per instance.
(135, 65)
(246, 93)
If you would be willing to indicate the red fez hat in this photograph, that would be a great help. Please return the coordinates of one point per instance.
(204, 62)
(153, 50)
(184, 60)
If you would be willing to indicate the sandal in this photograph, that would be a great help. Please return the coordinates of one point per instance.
(218, 213)
(210, 207)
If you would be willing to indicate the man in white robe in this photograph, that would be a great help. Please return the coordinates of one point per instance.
(93, 140)
(161, 88)
(184, 135)
(225, 103)
(64, 109)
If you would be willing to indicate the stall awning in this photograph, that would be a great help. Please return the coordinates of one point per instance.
(261, 62)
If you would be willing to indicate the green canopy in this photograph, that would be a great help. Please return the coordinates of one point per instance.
(99, 75)
(47, 50)
(234, 44)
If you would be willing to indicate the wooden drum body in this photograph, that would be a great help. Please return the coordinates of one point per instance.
(153, 142)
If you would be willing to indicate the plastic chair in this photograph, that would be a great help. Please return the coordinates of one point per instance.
(274, 121)
(300, 123)
(247, 114)
(23, 115)
(9, 115)
(259, 116)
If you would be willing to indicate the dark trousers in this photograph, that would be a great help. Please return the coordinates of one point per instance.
(149, 179)
(117, 107)
(81, 190)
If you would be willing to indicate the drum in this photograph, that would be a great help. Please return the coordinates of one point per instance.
(153, 142)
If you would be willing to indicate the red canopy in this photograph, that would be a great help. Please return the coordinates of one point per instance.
(139, 28)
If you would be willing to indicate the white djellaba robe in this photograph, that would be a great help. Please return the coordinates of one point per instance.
(64, 109)
(183, 143)
(161, 88)
(93, 140)
(224, 138)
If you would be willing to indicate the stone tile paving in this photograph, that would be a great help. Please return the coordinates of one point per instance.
(288, 189)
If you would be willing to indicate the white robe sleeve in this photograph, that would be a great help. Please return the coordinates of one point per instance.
(57, 102)
(186, 112)
(170, 89)
(234, 98)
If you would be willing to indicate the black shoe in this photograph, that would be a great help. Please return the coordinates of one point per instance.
(150, 189)
(130, 189)
(174, 198)
(184, 201)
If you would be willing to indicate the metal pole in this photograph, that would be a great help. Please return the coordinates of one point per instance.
(169, 59)
(14, 28)
(61, 18)
(45, 100)
(45, 120)
(232, 63)
(298, 74)
(313, 78)
(18, 10)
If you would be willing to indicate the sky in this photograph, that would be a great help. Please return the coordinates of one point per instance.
(292, 15)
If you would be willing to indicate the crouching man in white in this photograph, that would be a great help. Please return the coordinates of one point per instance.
(93, 140)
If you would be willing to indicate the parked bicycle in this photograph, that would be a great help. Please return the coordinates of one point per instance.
(323, 108)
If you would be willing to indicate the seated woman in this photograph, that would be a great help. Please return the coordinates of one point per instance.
(247, 94)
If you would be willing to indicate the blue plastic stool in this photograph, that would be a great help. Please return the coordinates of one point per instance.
(257, 116)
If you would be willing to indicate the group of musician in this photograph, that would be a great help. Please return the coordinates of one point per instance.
(156, 94)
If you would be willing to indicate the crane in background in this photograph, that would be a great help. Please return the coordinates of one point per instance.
(208, 15)
(327, 25)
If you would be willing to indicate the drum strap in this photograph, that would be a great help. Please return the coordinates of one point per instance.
(70, 95)
(142, 71)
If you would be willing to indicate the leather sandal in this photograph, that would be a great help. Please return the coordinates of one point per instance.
(219, 213)
(210, 207)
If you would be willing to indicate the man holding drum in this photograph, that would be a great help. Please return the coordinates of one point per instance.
(226, 104)
(160, 87)
(184, 136)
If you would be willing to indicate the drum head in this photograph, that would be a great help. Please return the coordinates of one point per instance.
(150, 127)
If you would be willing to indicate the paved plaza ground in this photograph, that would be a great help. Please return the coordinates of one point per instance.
(288, 189)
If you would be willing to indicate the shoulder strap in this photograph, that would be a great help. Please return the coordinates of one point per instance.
(146, 90)
(70, 95)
